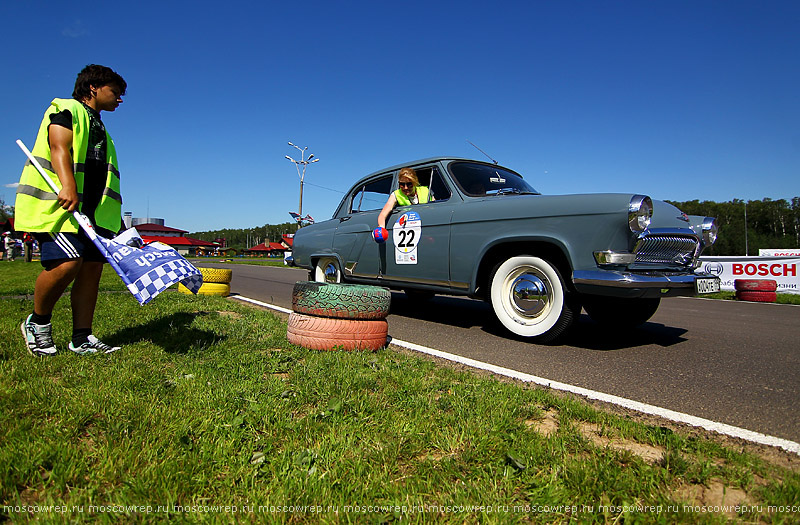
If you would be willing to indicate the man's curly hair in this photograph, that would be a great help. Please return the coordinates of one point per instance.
(97, 76)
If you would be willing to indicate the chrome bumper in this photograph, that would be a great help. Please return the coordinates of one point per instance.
(622, 279)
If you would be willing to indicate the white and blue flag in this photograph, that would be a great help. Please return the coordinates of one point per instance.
(147, 270)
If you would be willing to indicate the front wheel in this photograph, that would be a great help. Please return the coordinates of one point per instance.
(529, 298)
(618, 312)
(327, 270)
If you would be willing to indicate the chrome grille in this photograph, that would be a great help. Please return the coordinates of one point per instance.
(669, 250)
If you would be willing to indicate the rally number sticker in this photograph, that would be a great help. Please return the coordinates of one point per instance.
(405, 236)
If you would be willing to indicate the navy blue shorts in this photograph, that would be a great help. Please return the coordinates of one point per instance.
(59, 246)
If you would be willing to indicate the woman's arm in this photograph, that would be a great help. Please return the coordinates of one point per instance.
(391, 202)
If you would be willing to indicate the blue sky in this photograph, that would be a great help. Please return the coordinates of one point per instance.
(679, 100)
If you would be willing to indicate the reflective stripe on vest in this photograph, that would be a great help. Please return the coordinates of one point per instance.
(403, 200)
(37, 208)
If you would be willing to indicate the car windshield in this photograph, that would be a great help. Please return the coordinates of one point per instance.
(478, 180)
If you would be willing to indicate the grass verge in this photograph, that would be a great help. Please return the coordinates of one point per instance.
(208, 408)
(783, 298)
(254, 261)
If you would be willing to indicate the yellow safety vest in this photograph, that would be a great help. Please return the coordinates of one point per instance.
(36, 208)
(402, 199)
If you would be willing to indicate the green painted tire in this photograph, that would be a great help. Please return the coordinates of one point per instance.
(341, 301)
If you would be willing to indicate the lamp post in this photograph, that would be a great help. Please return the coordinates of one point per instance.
(302, 174)
(746, 249)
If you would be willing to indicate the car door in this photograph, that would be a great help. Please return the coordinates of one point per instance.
(417, 251)
(353, 242)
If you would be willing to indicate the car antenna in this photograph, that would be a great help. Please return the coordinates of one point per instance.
(479, 149)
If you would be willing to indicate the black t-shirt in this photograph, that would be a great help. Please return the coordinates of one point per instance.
(96, 170)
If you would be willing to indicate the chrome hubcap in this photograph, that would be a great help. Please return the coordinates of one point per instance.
(331, 275)
(529, 294)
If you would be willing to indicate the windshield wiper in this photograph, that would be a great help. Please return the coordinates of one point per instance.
(506, 191)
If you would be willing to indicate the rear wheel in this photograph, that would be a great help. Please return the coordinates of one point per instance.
(529, 298)
(327, 270)
(619, 312)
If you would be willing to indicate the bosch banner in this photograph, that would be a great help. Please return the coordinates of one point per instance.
(783, 270)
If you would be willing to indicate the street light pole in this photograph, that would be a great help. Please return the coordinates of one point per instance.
(302, 174)
(746, 249)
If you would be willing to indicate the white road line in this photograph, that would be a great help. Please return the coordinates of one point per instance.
(721, 428)
(259, 303)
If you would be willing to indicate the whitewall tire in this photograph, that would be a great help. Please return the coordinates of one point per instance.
(529, 298)
(327, 270)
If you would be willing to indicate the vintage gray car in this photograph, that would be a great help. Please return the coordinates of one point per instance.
(536, 258)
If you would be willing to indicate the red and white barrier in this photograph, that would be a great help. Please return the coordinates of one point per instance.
(783, 270)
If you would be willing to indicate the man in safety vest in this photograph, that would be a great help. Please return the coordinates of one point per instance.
(409, 192)
(79, 156)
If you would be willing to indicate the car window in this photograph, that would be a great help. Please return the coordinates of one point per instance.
(431, 178)
(478, 180)
(372, 195)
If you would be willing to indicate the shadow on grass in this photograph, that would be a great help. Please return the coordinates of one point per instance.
(172, 333)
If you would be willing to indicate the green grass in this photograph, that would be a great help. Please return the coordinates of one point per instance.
(207, 404)
(19, 277)
(783, 298)
(256, 261)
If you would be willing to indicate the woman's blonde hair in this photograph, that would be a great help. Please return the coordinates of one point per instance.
(408, 173)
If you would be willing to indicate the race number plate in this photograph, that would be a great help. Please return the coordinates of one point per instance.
(405, 235)
(707, 285)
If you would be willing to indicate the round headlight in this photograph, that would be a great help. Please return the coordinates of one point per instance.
(640, 211)
(709, 231)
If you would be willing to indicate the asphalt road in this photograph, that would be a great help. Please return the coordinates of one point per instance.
(732, 362)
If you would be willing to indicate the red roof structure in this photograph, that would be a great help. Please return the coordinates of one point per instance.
(152, 227)
(177, 241)
(266, 248)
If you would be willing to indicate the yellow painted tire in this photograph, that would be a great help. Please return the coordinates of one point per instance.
(216, 275)
(222, 289)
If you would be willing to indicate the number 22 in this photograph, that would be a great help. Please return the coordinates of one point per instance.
(406, 239)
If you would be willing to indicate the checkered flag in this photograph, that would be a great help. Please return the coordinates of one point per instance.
(150, 269)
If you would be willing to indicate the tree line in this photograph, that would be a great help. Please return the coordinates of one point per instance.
(244, 238)
(770, 224)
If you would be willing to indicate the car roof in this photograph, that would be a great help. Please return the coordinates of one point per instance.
(429, 160)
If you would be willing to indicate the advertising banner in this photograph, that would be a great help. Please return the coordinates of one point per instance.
(780, 252)
(783, 270)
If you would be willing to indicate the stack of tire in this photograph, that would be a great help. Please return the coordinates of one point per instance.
(756, 290)
(327, 316)
(216, 281)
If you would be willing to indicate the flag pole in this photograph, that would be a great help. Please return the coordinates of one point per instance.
(82, 219)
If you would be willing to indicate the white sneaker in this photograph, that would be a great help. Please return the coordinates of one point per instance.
(93, 346)
(39, 337)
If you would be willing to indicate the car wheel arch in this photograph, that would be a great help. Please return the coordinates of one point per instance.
(316, 258)
(497, 253)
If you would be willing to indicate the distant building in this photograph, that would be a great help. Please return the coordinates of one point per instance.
(272, 249)
(152, 232)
